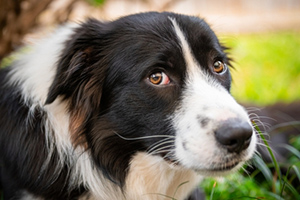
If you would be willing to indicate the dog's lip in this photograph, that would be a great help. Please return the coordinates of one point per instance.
(218, 168)
(224, 167)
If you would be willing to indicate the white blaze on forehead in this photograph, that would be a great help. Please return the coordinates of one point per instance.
(194, 72)
(197, 79)
(191, 63)
(203, 98)
(201, 87)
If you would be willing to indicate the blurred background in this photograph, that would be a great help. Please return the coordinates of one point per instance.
(264, 41)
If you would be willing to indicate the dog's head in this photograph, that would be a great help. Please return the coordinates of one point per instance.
(157, 83)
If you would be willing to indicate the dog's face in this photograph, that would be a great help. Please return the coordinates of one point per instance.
(157, 83)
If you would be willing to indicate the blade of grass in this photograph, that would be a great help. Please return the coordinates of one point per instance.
(179, 187)
(212, 191)
(276, 196)
(296, 169)
(290, 148)
(274, 161)
(163, 195)
(285, 182)
(261, 165)
(291, 188)
(247, 197)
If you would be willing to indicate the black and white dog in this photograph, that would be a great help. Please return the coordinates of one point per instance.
(129, 109)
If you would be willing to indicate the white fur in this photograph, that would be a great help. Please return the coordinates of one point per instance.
(196, 147)
(36, 69)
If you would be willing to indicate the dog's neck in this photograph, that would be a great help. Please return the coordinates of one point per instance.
(150, 177)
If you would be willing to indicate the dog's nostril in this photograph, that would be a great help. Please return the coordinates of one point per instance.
(234, 135)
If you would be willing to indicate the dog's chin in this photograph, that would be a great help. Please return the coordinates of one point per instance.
(215, 170)
(219, 170)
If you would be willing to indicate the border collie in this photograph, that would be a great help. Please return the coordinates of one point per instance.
(137, 108)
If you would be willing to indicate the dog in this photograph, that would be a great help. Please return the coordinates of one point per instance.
(136, 108)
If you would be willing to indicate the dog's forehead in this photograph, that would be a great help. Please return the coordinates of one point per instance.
(158, 33)
(160, 24)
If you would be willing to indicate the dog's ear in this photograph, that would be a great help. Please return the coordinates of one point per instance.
(80, 73)
(75, 68)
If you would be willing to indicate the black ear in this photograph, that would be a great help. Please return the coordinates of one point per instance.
(76, 66)
(80, 73)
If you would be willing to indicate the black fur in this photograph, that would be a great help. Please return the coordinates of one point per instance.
(24, 150)
(102, 74)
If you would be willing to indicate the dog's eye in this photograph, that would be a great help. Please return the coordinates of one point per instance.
(220, 67)
(159, 78)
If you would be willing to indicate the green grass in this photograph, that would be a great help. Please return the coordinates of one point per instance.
(235, 186)
(267, 67)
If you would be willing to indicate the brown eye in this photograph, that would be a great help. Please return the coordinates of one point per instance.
(219, 67)
(159, 78)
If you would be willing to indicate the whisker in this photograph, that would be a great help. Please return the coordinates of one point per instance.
(159, 144)
(265, 125)
(162, 140)
(159, 152)
(264, 133)
(145, 137)
(162, 149)
(251, 109)
(249, 164)
(264, 117)
(295, 124)
(267, 147)
(262, 144)
(246, 171)
(258, 120)
(253, 115)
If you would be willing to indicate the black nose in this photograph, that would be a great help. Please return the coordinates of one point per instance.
(234, 135)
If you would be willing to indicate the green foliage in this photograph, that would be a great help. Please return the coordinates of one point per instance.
(235, 186)
(267, 67)
(8, 60)
(272, 185)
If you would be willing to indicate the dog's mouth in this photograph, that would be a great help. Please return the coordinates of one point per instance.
(220, 168)
(224, 166)
(213, 168)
